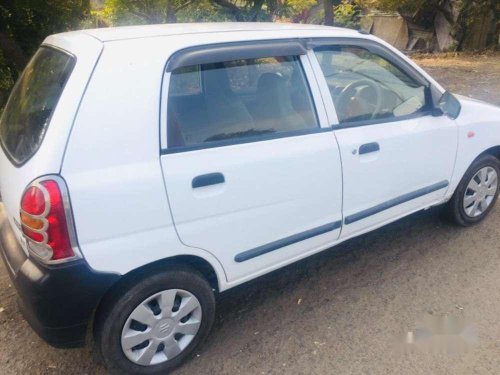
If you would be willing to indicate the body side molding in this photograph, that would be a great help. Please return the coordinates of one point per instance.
(264, 249)
(394, 202)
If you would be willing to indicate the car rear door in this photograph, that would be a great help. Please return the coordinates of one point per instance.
(397, 155)
(251, 166)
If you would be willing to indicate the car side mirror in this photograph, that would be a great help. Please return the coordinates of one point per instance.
(449, 105)
(436, 112)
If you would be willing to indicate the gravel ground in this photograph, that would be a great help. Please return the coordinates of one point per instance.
(340, 311)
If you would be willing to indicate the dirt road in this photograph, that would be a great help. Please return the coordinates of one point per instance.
(340, 311)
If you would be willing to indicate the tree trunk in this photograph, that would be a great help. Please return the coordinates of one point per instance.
(171, 13)
(328, 6)
(233, 9)
(257, 7)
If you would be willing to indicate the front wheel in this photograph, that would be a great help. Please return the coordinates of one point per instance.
(154, 324)
(476, 194)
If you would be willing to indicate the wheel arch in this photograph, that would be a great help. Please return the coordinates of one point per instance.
(493, 151)
(463, 164)
(455, 209)
(194, 262)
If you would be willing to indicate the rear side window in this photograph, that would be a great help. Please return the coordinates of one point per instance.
(238, 99)
(32, 103)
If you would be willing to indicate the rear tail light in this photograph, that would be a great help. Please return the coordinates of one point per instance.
(46, 220)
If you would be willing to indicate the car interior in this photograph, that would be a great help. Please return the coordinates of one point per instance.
(213, 102)
(365, 86)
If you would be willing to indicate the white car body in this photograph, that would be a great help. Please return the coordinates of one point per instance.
(133, 205)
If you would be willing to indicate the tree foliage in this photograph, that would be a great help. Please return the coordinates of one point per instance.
(23, 26)
(124, 12)
(121, 12)
(464, 16)
(25, 23)
(347, 14)
(252, 10)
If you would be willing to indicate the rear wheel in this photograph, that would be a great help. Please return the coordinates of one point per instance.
(152, 326)
(477, 192)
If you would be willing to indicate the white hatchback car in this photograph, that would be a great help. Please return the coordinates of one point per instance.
(145, 169)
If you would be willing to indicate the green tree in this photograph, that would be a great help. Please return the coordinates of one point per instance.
(476, 17)
(23, 26)
(124, 12)
(328, 9)
(121, 12)
(250, 10)
(146, 11)
(347, 14)
(25, 23)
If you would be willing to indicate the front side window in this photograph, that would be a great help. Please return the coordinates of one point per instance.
(32, 103)
(238, 99)
(364, 86)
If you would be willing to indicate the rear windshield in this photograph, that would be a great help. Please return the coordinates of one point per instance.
(32, 102)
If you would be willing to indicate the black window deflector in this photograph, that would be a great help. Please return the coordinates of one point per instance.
(220, 52)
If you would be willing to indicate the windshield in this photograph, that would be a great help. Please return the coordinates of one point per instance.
(32, 102)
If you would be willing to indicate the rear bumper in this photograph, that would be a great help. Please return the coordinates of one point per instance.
(57, 301)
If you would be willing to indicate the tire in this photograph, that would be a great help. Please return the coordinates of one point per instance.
(170, 289)
(456, 211)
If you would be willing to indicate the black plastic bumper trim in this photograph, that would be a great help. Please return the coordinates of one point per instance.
(58, 301)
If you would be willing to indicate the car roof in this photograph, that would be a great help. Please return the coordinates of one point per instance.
(148, 31)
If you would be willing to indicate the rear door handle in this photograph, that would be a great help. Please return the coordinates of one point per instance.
(369, 147)
(207, 180)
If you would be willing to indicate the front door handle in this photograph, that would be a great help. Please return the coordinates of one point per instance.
(207, 180)
(369, 147)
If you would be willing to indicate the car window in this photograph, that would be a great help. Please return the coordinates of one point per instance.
(187, 82)
(238, 99)
(365, 86)
(32, 102)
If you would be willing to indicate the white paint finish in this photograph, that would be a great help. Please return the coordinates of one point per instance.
(484, 120)
(113, 167)
(202, 29)
(273, 189)
(163, 110)
(413, 154)
(316, 247)
(321, 113)
(323, 89)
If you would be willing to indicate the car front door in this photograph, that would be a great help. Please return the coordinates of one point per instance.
(251, 165)
(397, 156)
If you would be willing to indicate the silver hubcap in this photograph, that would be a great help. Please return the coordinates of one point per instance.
(480, 192)
(161, 327)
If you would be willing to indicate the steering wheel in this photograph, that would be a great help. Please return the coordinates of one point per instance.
(354, 91)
